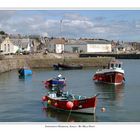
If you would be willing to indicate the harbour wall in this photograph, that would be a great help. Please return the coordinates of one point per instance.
(9, 64)
(115, 55)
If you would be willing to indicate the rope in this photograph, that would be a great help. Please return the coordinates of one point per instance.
(94, 117)
(69, 115)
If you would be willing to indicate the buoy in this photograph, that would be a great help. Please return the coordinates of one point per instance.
(49, 102)
(69, 105)
(100, 78)
(44, 98)
(103, 109)
(56, 104)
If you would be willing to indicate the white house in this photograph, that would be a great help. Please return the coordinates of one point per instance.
(56, 45)
(7, 47)
(12, 46)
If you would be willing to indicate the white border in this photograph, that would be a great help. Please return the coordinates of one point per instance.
(39, 131)
(69, 4)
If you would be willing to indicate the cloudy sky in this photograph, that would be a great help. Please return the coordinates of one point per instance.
(108, 24)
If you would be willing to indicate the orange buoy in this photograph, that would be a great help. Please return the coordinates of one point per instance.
(69, 105)
(49, 102)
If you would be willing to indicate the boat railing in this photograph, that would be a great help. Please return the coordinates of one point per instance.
(52, 95)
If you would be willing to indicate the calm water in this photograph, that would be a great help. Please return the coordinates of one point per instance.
(20, 99)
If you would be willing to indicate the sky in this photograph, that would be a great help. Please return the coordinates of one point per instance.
(122, 25)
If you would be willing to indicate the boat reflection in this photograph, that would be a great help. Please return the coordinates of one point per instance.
(111, 96)
(23, 78)
(111, 92)
(62, 116)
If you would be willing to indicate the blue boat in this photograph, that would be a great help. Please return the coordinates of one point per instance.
(55, 82)
(25, 71)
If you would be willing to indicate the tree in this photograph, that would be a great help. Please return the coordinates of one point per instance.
(2, 33)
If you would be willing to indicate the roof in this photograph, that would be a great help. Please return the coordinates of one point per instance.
(115, 62)
(97, 42)
(57, 41)
(76, 42)
(21, 42)
(2, 38)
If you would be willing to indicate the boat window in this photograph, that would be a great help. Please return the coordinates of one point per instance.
(115, 65)
(119, 65)
(112, 65)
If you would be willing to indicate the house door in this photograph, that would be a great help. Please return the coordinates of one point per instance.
(75, 49)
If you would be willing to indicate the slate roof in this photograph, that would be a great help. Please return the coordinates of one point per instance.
(57, 41)
(97, 42)
(76, 42)
(21, 42)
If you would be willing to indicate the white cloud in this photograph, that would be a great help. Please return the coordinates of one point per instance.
(74, 16)
(137, 25)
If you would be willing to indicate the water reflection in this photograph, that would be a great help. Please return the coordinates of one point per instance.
(111, 97)
(63, 116)
(26, 77)
(110, 92)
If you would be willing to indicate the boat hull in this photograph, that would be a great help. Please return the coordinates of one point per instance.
(109, 77)
(87, 111)
(67, 67)
(86, 106)
(53, 83)
(25, 72)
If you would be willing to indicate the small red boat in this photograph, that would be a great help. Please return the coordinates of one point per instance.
(69, 102)
(114, 74)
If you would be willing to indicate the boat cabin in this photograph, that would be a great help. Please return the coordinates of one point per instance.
(115, 64)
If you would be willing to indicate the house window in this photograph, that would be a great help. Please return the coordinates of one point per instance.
(8, 48)
(4, 47)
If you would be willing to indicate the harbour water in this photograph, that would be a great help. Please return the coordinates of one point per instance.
(20, 98)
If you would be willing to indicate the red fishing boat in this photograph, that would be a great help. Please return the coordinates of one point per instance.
(114, 74)
(69, 102)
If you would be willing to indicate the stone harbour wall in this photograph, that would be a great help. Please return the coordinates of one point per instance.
(9, 64)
